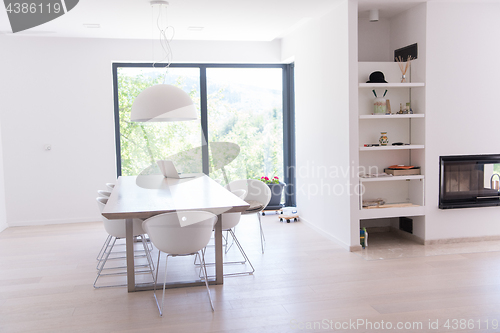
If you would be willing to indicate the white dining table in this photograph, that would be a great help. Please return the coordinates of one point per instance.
(145, 196)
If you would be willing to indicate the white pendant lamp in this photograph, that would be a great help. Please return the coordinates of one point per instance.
(163, 102)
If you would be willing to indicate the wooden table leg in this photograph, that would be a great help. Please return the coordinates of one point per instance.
(219, 274)
(129, 229)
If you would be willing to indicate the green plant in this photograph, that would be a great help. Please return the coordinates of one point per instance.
(274, 180)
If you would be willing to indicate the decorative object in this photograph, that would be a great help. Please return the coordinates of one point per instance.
(408, 108)
(388, 107)
(383, 139)
(363, 237)
(377, 77)
(407, 51)
(274, 180)
(379, 105)
(163, 102)
(403, 66)
(399, 171)
(373, 203)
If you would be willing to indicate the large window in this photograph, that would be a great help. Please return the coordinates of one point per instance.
(246, 105)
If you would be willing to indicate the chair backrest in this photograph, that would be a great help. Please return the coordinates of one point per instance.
(167, 234)
(116, 228)
(104, 194)
(230, 220)
(256, 190)
(240, 193)
(111, 186)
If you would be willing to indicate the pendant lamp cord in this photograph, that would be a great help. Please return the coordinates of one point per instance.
(164, 39)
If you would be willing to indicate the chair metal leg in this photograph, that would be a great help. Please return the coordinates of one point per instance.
(206, 279)
(160, 308)
(156, 281)
(230, 245)
(110, 248)
(102, 266)
(105, 244)
(262, 237)
(103, 262)
(148, 255)
(242, 253)
(164, 284)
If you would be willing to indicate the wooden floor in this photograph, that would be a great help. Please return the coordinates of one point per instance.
(303, 282)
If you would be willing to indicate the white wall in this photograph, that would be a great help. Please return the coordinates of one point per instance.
(374, 40)
(353, 123)
(462, 105)
(320, 50)
(59, 91)
(3, 215)
(408, 28)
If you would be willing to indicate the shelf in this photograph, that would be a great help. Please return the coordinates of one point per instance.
(391, 147)
(391, 85)
(393, 116)
(375, 213)
(390, 178)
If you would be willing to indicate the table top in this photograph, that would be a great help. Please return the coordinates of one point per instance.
(146, 196)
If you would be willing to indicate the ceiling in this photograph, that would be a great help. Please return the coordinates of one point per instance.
(229, 20)
(243, 20)
(387, 9)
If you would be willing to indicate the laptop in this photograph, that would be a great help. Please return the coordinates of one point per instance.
(169, 170)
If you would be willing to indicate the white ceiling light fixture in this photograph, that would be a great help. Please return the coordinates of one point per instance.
(163, 102)
(374, 15)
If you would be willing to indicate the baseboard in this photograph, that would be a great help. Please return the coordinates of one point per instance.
(462, 240)
(326, 234)
(48, 222)
(355, 248)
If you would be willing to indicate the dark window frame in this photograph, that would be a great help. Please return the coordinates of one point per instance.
(288, 115)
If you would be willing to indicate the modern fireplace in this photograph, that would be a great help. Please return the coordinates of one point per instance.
(469, 181)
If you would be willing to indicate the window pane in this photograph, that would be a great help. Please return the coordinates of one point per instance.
(143, 143)
(245, 106)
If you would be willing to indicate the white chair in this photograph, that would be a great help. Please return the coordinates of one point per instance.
(229, 221)
(180, 234)
(104, 194)
(116, 230)
(110, 186)
(257, 196)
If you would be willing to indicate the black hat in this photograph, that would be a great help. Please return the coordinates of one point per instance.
(377, 77)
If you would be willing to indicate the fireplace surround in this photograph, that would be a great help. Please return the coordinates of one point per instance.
(467, 181)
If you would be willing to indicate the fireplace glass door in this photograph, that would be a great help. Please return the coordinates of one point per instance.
(469, 180)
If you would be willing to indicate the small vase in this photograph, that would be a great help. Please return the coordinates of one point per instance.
(383, 139)
(379, 105)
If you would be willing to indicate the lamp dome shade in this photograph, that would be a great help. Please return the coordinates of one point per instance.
(163, 102)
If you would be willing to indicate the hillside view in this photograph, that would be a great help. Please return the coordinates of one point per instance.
(244, 107)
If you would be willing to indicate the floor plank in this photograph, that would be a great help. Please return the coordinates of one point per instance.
(303, 280)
